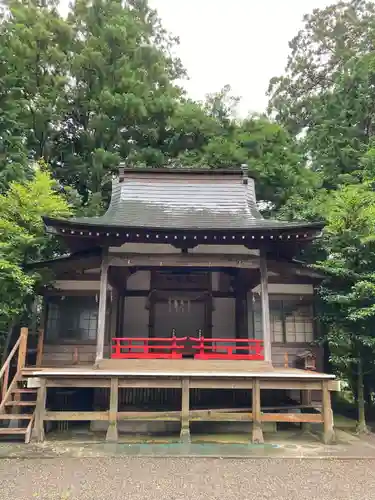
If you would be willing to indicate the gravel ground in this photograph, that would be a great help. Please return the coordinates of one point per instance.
(186, 479)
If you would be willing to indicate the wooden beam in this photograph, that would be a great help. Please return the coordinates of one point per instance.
(266, 323)
(195, 383)
(76, 415)
(303, 384)
(95, 381)
(167, 416)
(112, 433)
(226, 415)
(74, 263)
(185, 408)
(150, 383)
(292, 417)
(220, 416)
(184, 260)
(257, 437)
(118, 278)
(328, 432)
(40, 413)
(102, 309)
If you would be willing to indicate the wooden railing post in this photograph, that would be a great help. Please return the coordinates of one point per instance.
(5, 382)
(39, 350)
(201, 345)
(22, 350)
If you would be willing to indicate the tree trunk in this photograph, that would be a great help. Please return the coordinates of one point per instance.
(361, 425)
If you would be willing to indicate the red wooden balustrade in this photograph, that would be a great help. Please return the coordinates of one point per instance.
(213, 348)
(147, 348)
(172, 348)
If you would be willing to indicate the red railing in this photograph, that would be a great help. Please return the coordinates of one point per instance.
(213, 348)
(147, 348)
(173, 347)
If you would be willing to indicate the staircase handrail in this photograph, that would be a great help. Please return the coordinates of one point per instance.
(9, 358)
(21, 347)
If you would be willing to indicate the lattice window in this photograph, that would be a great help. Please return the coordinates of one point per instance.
(299, 324)
(291, 318)
(277, 321)
(72, 318)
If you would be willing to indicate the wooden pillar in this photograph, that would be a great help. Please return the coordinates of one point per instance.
(119, 314)
(40, 410)
(112, 433)
(22, 349)
(256, 410)
(306, 401)
(102, 309)
(328, 429)
(266, 324)
(39, 350)
(185, 409)
(112, 327)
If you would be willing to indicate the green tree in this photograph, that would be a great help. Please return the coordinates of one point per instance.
(84, 92)
(318, 53)
(35, 43)
(348, 291)
(342, 126)
(23, 240)
(122, 93)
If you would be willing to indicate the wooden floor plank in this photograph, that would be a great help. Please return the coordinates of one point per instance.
(179, 367)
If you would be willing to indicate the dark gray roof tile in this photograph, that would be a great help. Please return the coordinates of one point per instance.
(182, 202)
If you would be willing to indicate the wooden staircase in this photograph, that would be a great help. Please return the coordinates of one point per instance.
(17, 415)
(17, 403)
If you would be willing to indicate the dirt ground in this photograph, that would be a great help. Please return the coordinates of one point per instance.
(122, 478)
(288, 467)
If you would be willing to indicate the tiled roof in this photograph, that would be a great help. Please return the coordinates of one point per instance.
(179, 201)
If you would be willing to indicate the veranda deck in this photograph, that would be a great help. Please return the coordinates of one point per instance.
(183, 374)
(161, 373)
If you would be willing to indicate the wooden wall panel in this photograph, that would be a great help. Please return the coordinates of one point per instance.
(65, 355)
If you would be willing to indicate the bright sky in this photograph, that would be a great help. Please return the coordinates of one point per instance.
(240, 42)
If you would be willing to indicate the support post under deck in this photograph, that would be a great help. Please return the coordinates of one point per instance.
(256, 410)
(40, 410)
(185, 409)
(112, 432)
(328, 432)
(306, 401)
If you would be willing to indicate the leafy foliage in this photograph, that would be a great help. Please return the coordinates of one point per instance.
(328, 93)
(318, 54)
(349, 289)
(22, 238)
(85, 92)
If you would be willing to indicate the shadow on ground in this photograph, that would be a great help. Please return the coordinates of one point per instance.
(284, 444)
